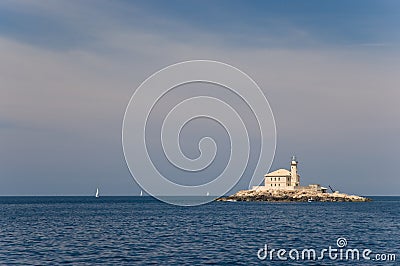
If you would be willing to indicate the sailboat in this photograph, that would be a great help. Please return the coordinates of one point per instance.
(208, 193)
(141, 193)
(97, 193)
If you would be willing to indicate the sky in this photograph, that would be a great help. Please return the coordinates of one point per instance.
(329, 69)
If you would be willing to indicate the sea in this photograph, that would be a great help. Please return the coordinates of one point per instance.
(145, 231)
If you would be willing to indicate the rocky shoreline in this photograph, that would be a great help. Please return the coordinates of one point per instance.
(292, 196)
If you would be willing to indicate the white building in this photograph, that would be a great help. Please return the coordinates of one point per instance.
(282, 178)
(287, 180)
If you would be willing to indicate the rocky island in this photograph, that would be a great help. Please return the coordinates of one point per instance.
(284, 186)
(292, 196)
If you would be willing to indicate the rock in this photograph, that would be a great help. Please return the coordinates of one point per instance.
(291, 195)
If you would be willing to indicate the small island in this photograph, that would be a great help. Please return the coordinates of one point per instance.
(284, 186)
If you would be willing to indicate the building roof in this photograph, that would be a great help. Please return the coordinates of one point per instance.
(279, 172)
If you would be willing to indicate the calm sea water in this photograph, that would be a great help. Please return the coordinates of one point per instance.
(142, 230)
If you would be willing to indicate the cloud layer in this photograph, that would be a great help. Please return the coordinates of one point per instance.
(64, 89)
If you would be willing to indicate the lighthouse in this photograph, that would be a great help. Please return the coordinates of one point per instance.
(287, 180)
(294, 177)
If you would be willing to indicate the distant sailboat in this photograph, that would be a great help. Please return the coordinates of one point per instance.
(141, 193)
(97, 193)
(208, 193)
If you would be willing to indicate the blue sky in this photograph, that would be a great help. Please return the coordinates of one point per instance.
(68, 68)
(277, 23)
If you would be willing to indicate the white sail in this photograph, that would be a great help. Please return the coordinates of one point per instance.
(97, 193)
(208, 193)
(141, 193)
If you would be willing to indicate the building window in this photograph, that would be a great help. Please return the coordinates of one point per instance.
(279, 184)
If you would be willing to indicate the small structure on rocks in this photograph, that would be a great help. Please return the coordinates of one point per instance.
(283, 179)
(284, 186)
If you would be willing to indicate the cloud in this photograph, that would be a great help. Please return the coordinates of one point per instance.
(329, 102)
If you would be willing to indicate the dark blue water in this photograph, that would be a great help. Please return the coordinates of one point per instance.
(141, 230)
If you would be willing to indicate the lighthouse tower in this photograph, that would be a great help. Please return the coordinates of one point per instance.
(294, 177)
